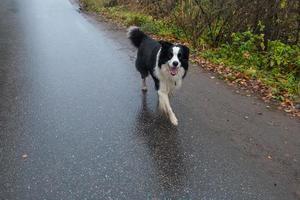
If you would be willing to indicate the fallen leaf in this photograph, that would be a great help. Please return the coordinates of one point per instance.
(269, 157)
(287, 110)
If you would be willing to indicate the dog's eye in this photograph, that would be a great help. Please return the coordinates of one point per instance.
(170, 55)
(179, 55)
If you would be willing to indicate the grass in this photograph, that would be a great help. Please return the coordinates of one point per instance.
(126, 17)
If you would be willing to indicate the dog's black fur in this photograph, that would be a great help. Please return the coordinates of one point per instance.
(167, 63)
(147, 54)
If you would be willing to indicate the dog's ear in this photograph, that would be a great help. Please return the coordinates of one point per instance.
(185, 51)
(165, 44)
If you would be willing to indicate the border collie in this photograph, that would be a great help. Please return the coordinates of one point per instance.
(167, 63)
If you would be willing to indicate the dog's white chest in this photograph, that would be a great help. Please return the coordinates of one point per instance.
(167, 82)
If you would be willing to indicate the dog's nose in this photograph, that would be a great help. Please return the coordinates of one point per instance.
(175, 63)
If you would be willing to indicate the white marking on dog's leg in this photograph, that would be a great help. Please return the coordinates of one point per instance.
(144, 85)
(162, 102)
(164, 105)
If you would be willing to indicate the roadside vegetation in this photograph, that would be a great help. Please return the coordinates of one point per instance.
(253, 43)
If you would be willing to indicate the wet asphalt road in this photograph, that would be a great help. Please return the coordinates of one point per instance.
(71, 101)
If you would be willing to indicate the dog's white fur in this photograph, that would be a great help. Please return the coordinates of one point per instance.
(175, 57)
(168, 84)
(167, 76)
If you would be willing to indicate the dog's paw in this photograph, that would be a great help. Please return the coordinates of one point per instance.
(174, 120)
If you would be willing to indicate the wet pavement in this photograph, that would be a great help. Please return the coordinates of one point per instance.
(75, 125)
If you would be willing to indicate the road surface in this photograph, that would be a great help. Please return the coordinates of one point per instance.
(75, 125)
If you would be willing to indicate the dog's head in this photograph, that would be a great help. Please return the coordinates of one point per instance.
(175, 56)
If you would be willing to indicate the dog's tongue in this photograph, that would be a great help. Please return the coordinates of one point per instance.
(173, 71)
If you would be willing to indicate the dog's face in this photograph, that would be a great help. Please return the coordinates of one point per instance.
(176, 57)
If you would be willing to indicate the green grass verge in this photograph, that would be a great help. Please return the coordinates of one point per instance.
(146, 22)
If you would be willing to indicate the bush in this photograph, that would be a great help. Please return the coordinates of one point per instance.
(284, 57)
(247, 53)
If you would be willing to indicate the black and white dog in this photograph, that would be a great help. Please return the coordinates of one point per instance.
(167, 64)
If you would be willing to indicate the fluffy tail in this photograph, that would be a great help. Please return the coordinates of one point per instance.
(136, 36)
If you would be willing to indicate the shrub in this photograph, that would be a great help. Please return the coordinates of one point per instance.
(284, 57)
(247, 53)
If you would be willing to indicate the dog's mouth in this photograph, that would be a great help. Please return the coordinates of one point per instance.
(173, 71)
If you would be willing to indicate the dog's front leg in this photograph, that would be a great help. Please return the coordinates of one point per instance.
(164, 105)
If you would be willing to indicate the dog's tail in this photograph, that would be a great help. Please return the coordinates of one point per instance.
(136, 36)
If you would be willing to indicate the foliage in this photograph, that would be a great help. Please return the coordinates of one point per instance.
(213, 21)
(278, 66)
(96, 5)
